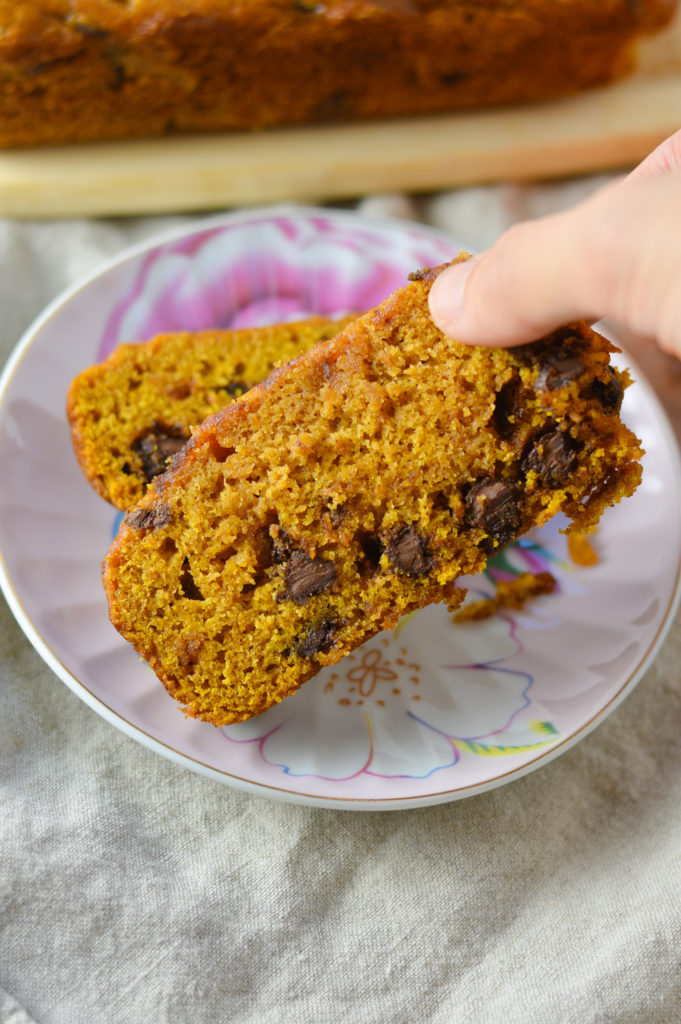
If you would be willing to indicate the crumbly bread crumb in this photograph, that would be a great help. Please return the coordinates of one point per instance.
(513, 594)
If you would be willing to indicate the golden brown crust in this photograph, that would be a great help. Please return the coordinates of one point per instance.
(353, 486)
(91, 69)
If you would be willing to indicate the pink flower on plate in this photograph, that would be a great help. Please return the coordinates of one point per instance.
(265, 269)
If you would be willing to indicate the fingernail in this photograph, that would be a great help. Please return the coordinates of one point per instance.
(447, 294)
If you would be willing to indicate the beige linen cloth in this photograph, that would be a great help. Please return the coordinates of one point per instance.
(133, 891)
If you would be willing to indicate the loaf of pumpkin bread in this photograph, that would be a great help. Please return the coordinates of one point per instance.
(104, 69)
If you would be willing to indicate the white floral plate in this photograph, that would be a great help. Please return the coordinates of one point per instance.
(431, 712)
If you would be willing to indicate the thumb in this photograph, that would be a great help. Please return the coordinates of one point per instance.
(617, 254)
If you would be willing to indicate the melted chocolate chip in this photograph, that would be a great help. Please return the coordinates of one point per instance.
(156, 449)
(148, 518)
(307, 576)
(552, 456)
(408, 552)
(318, 640)
(559, 371)
(281, 547)
(494, 506)
(558, 356)
(561, 343)
(609, 393)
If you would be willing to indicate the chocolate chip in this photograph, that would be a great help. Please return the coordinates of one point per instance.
(408, 551)
(563, 342)
(156, 449)
(148, 518)
(318, 640)
(188, 584)
(235, 388)
(334, 511)
(494, 506)
(609, 393)
(281, 546)
(559, 371)
(552, 456)
(558, 356)
(307, 576)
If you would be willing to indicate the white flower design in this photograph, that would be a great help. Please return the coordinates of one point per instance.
(379, 712)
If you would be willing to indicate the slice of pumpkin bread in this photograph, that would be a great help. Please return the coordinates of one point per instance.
(130, 414)
(353, 486)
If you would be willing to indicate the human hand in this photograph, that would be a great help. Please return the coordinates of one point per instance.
(615, 255)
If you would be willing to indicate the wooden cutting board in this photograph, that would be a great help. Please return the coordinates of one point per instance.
(606, 128)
